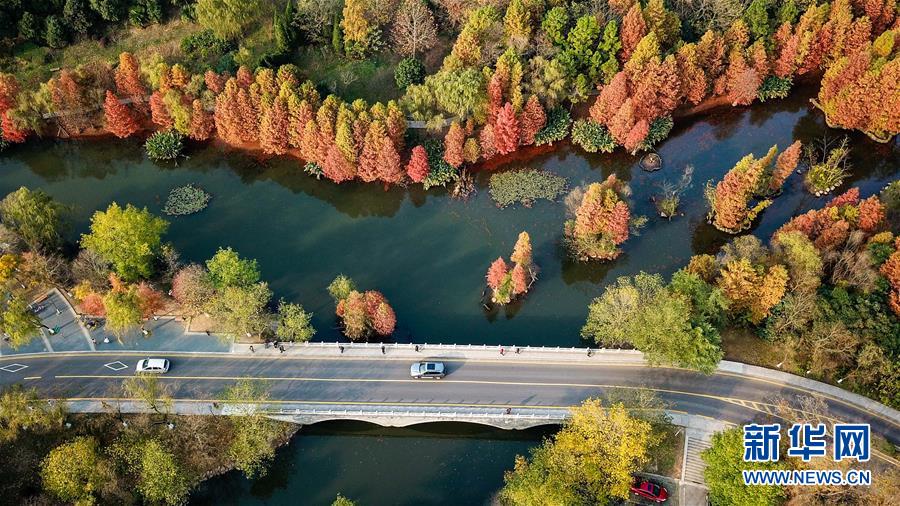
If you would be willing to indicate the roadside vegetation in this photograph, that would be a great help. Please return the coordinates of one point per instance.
(116, 458)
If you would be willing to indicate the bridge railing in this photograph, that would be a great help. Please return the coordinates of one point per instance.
(441, 346)
(454, 415)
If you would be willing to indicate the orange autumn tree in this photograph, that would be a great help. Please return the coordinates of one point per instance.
(754, 291)
(533, 120)
(417, 168)
(890, 269)
(453, 145)
(202, 124)
(507, 284)
(274, 137)
(601, 221)
(363, 313)
(830, 227)
(120, 121)
(506, 130)
(736, 200)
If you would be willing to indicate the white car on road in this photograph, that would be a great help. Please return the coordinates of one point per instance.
(433, 370)
(152, 366)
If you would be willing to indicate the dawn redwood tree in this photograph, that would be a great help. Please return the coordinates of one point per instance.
(159, 112)
(9, 90)
(273, 130)
(309, 143)
(506, 130)
(299, 114)
(120, 121)
(202, 124)
(337, 168)
(214, 81)
(495, 95)
(471, 150)
(453, 145)
(750, 291)
(743, 81)
(390, 169)
(730, 198)
(376, 137)
(248, 108)
(694, 83)
(496, 272)
(487, 139)
(610, 100)
(533, 120)
(128, 78)
(784, 165)
(10, 130)
(601, 222)
(634, 28)
(417, 168)
(227, 116)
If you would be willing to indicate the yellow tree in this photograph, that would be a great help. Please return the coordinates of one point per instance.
(356, 27)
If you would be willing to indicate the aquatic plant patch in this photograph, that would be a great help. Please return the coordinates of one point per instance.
(185, 200)
(525, 186)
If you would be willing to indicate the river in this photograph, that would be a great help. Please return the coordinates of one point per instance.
(428, 254)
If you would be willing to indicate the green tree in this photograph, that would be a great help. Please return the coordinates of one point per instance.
(28, 27)
(591, 460)
(55, 32)
(109, 10)
(340, 288)
(342, 501)
(75, 471)
(253, 444)
(161, 478)
(127, 238)
(757, 18)
(284, 31)
(294, 323)
(75, 14)
(227, 269)
(409, 71)
(21, 409)
(147, 389)
(555, 25)
(241, 310)
(643, 312)
(724, 463)
(123, 310)
(19, 322)
(35, 216)
(226, 18)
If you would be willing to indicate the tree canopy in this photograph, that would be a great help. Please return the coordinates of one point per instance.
(128, 238)
(35, 216)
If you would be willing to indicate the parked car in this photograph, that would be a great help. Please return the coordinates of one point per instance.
(152, 366)
(433, 370)
(649, 490)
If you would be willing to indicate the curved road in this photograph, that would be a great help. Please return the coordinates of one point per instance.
(385, 381)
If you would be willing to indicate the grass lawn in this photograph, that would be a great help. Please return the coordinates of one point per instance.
(742, 345)
(371, 79)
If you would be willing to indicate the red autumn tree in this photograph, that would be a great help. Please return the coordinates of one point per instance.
(159, 113)
(636, 136)
(787, 46)
(495, 96)
(337, 168)
(487, 140)
(120, 121)
(10, 131)
(601, 222)
(634, 28)
(249, 112)
(92, 305)
(496, 272)
(299, 113)
(149, 300)
(453, 145)
(9, 90)
(417, 168)
(610, 99)
(742, 80)
(214, 82)
(274, 137)
(128, 78)
(871, 214)
(309, 144)
(227, 117)
(694, 83)
(244, 77)
(506, 130)
(621, 124)
(533, 120)
(785, 164)
(201, 122)
(389, 166)
(383, 319)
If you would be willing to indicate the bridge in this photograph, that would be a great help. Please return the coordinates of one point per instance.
(508, 387)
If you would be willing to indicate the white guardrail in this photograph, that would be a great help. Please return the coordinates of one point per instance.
(441, 346)
(456, 415)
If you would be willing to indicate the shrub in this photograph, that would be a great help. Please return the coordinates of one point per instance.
(556, 128)
(774, 87)
(55, 33)
(313, 169)
(525, 186)
(659, 130)
(187, 199)
(409, 71)
(439, 171)
(164, 145)
(592, 137)
(204, 45)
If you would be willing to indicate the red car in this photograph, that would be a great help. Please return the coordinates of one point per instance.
(649, 490)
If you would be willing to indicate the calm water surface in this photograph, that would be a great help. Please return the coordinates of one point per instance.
(428, 254)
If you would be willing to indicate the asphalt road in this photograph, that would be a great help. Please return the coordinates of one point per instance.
(386, 381)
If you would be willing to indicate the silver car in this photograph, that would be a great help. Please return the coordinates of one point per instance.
(433, 370)
(152, 366)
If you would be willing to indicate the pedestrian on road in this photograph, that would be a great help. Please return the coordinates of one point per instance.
(93, 341)
(508, 411)
(382, 349)
(417, 348)
(518, 350)
(207, 331)
(342, 349)
(590, 352)
(251, 349)
(281, 348)
(502, 351)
